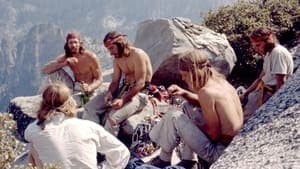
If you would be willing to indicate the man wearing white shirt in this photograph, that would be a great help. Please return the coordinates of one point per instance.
(278, 66)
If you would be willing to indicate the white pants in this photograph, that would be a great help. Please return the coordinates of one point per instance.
(177, 126)
(115, 117)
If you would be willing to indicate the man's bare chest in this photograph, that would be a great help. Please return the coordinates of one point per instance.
(126, 67)
(81, 67)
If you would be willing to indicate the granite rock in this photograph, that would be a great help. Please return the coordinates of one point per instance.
(165, 39)
(271, 137)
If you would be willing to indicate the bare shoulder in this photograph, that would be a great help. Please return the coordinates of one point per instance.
(61, 58)
(138, 52)
(205, 92)
(90, 54)
(92, 57)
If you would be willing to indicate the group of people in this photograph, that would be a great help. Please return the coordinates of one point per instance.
(204, 125)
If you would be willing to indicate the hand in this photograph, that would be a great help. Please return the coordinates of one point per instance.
(71, 61)
(85, 87)
(117, 104)
(108, 97)
(175, 90)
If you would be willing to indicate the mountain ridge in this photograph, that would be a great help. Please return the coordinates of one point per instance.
(32, 32)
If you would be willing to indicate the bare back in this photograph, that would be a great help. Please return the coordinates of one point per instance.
(222, 107)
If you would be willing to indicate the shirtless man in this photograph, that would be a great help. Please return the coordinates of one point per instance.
(84, 64)
(220, 120)
(134, 65)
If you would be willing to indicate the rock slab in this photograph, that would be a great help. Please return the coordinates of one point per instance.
(165, 39)
(271, 137)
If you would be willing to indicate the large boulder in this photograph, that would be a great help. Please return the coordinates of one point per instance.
(163, 40)
(24, 110)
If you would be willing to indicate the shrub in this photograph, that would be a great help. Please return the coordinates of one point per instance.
(238, 20)
(10, 147)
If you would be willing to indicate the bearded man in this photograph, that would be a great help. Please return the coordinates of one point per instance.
(84, 64)
(127, 99)
(278, 66)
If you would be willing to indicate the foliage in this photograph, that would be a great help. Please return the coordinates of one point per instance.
(29, 166)
(10, 147)
(238, 20)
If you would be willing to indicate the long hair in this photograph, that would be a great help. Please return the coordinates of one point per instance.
(70, 35)
(56, 98)
(265, 34)
(122, 44)
(200, 70)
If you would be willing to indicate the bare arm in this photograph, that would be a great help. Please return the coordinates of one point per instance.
(97, 73)
(116, 76)
(212, 124)
(280, 80)
(254, 85)
(55, 64)
(189, 96)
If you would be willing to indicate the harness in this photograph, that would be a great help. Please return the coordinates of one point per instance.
(267, 90)
(126, 86)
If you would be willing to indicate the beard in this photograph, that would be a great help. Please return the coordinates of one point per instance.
(117, 56)
(74, 50)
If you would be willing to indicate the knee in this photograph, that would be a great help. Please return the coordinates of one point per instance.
(175, 118)
(112, 119)
(173, 114)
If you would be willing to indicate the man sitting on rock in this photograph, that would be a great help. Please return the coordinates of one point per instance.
(222, 115)
(134, 65)
(278, 66)
(84, 64)
(58, 137)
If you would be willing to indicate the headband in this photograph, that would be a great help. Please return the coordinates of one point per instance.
(260, 38)
(72, 35)
(109, 42)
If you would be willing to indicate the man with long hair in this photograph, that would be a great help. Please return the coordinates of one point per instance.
(278, 66)
(220, 120)
(134, 65)
(58, 137)
(84, 64)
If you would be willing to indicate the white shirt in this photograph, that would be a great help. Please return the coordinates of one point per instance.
(278, 61)
(73, 143)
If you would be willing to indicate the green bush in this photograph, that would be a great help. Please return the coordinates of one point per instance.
(10, 147)
(238, 20)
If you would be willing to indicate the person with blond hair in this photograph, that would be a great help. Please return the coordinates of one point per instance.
(277, 67)
(58, 137)
(220, 118)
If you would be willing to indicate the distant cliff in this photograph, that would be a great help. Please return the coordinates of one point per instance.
(21, 60)
(32, 32)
